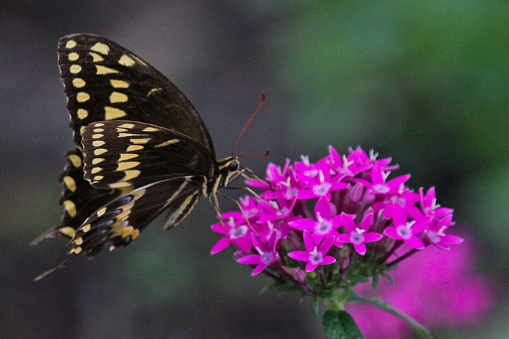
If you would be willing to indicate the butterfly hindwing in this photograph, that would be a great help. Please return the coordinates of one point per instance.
(128, 153)
(121, 220)
(78, 197)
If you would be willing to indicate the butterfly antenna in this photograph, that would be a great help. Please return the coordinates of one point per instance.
(247, 123)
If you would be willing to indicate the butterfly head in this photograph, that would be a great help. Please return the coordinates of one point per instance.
(226, 168)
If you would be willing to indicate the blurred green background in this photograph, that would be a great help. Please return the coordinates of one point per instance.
(426, 82)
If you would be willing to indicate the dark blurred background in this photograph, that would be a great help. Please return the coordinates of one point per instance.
(425, 82)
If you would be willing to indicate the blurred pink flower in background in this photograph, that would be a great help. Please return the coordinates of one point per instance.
(439, 289)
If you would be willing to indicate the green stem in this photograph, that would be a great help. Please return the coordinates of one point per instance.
(338, 299)
(422, 331)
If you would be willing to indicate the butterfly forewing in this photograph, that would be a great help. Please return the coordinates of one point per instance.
(105, 81)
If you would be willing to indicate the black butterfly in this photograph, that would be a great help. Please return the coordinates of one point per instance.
(142, 148)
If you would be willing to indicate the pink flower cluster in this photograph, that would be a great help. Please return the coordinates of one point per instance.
(337, 212)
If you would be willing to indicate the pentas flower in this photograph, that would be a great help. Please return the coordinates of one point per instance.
(314, 254)
(266, 254)
(323, 224)
(358, 236)
(322, 227)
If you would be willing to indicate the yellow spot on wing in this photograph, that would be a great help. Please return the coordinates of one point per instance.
(82, 129)
(74, 69)
(86, 228)
(96, 57)
(69, 183)
(119, 83)
(78, 241)
(78, 82)
(98, 178)
(70, 44)
(119, 185)
(98, 130)
(100, 151)
(135, 234)
(113, 113)
(154, 91)
(82, 96)
(101, 48)
(73, 56)
(97, 136)
(126, 231)
(134, 148)
(138, 194)
(98, 143)
(166, 143)
(75, 250)
(68, 231)
(118, 97)
(96, 161)
(82, 113)
(127, 126)
(127, 156)
(101, 211)
(125, 60)
(96, 170)
(150, 129)
(130, 174)
(70, 208)
(101, 70)
(76, 160)
(122, 166)
(123, 135)
(99, 124)
(140, 141)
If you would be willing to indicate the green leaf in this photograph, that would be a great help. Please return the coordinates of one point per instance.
(340, 325)
(267, 288)
(357, 278)
(315, 305)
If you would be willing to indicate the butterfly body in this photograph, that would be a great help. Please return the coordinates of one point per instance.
(142, 148)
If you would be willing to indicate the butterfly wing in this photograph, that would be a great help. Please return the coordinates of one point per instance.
(121, 220)
(105, 81)
(129, 153)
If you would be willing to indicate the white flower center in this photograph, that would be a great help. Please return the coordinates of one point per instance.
(238, 232)
(315, 257)
(267, 257)
(357, 237)
(322, 189)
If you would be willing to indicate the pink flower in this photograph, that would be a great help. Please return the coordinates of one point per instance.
(406, 230)
(238, 233)
(380, 185)
(314, 255)
(322, 186)
(442, 286)
(266, 254)
(324, 225)
(358, 236)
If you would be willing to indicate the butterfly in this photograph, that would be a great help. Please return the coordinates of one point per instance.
(142, 148)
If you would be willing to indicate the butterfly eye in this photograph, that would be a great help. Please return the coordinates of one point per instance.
(233, 166)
